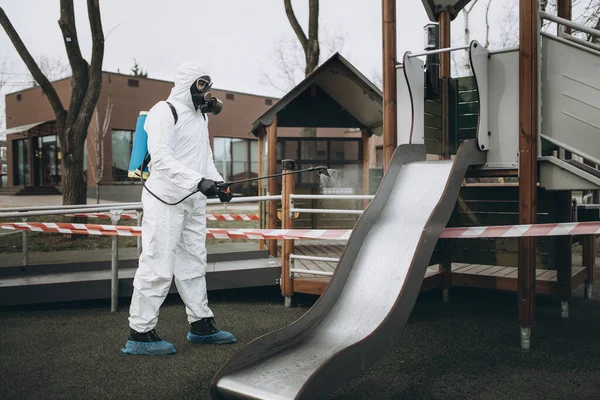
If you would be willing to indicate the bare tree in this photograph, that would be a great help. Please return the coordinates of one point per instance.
(72, 124)
(54, 68)
(99, 135)
(509, 25)
(310, 44)
(6, 69)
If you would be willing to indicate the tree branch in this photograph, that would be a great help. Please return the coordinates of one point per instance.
(69, 31)
(32, 66)
(313, 21)
(94, 83)
(289, 11)
(487, 24)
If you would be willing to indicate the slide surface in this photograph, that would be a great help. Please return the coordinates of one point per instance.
(371, 295)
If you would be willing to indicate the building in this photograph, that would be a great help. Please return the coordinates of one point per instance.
(33, 154)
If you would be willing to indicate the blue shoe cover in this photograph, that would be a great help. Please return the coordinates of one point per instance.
(220, 337)
(148, 348)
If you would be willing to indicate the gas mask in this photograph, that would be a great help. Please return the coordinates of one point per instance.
(202, 97)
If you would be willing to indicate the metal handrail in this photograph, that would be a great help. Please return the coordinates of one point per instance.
(571, 43)
(309, 271)
(64, 207)
(570, 149)
(562, 33)
(570, 24)
(313, 258)
(438, 51)
(325, 211)
(24, 214)
(331, 197)
(82, 208)
(116, 209)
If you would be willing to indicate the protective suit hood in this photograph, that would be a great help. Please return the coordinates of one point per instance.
(186, 75)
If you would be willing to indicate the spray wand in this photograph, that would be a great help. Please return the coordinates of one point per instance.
(320, 170)
(223, 187)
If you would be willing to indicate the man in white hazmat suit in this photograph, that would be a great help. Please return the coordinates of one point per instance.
(173, 236)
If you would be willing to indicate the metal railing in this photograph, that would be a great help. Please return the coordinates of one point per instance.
(293, 210)
(294, 270)
(326, 197)
(116, 210)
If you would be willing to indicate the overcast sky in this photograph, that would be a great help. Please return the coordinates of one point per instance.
(232, 37)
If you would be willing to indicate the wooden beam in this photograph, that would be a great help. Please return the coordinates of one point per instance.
(287, 247)
(492, 173)
(366, 153)
(272, 183)
(445, 72)
(528, 125)
(261, 192)
(390, 139)
(564, 10)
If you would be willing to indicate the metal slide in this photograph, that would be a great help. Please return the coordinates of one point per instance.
(371, 294)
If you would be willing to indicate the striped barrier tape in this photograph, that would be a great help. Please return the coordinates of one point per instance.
(513, 231)
(119, 230)
(209, 217)
(510, 231)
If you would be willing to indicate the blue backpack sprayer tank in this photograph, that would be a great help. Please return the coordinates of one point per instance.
(139, 150)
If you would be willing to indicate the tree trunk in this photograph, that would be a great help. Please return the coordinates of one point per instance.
(97, 193)
(74, 186)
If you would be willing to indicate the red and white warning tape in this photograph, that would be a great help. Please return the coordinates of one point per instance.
(118, 230)
(209, 217)
(511, 231)
(233, 217)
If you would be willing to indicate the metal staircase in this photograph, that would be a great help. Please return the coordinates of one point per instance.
(570, 108)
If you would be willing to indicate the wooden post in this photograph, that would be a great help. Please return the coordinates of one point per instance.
(287, 246)
(564, 10)
(272, 184)
(390, 117)
(589, 262)
(564, 262)
(445, 72)
(366, 153)
(261, 207)
(528, 125)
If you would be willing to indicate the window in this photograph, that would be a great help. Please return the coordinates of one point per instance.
(21, 162)
(19, 97)
(229, 96)
(237, 159)
(121, 153)
(341, 155)
(133, 83)
(268, 102)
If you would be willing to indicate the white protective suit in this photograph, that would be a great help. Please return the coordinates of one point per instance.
(173, 237)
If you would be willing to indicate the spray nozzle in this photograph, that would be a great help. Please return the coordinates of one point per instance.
(322, 171)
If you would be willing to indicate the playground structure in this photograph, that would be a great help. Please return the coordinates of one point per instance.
(537, 107)
(545, 117)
